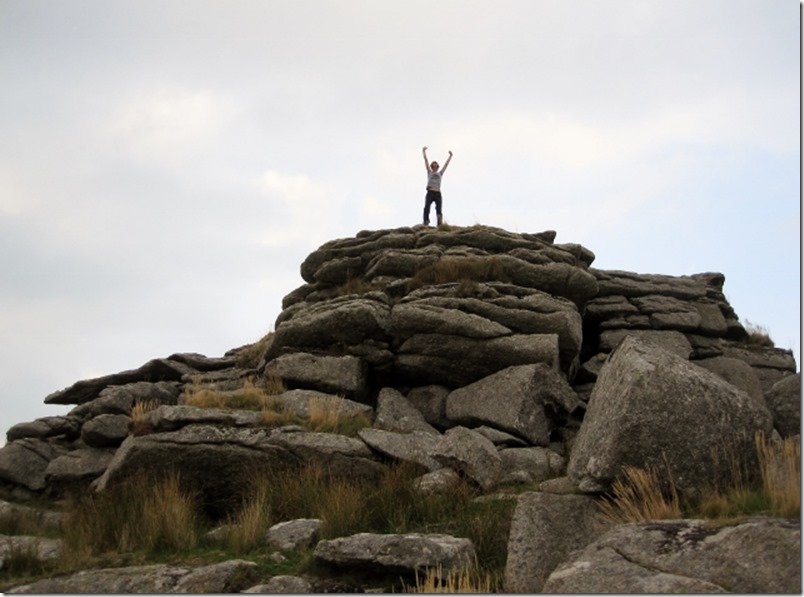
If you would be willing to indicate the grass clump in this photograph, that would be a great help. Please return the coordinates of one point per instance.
(775, 491)
(251, 356)
(138, 514)
(467, 580)
(758, 335)
(780, 466)
(638, 496)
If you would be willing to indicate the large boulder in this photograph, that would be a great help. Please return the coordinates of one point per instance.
(545, 528)
(653, 409)
(529, 401)
(686, 556)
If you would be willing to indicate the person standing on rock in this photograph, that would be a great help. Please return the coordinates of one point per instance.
(433, 187)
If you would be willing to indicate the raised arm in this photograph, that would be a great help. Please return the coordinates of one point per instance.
(426, 163)
(446, 163)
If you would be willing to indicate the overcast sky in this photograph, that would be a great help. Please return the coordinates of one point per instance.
(166, 165)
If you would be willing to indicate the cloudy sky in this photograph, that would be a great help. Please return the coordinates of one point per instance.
(166, 165)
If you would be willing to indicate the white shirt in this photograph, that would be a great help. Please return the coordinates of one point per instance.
(434, 181)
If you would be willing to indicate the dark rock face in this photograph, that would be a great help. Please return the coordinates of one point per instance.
(412, 301)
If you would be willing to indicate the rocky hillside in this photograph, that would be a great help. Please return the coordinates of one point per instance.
(475, 353)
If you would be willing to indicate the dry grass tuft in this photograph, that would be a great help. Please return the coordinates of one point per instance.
(142, 513)
(247, 528)
(468, 580)
(140, 410)
(325, 415)
(780, 466)
(251, 356)
(758, 335)
(638, 496)
(772, 490)
(251, 397)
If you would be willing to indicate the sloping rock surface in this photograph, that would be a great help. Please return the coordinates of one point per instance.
(226, 577)
(686, 556)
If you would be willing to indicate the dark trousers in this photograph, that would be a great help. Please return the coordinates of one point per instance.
(432, 197)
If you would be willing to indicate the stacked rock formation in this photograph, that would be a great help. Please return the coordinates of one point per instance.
(498, 357)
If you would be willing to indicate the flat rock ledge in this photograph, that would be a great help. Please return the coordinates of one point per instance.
(231, 576)
(397, 554)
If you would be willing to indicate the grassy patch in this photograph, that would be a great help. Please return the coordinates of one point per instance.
(250, 397)
(142, 513)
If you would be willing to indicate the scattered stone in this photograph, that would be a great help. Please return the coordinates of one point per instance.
(294, 534)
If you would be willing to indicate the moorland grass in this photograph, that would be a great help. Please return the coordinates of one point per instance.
(648, 495)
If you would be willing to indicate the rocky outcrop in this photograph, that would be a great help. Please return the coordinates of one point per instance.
(410, 301)
(687, 314)
(474, 355)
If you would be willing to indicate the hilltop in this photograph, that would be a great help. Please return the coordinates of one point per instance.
(501, 362)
